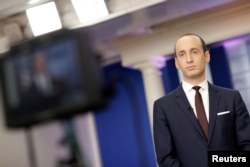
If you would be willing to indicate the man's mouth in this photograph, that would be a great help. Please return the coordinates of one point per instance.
(190, 68)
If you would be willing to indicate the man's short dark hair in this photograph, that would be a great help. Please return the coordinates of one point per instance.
(203, 44)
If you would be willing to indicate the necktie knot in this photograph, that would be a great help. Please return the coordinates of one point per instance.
(196, 88)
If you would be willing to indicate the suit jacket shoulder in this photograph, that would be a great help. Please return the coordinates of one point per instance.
(228, 92)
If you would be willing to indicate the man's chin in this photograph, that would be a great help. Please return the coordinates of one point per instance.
(193, 76)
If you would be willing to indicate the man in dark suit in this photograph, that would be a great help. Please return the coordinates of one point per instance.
(43, 91)
(197, 116)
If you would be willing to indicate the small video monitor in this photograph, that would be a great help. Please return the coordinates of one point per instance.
(54, 76)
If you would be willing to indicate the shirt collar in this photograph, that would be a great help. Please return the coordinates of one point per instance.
(187, 87)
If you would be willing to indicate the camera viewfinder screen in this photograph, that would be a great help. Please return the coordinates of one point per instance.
(42, 78)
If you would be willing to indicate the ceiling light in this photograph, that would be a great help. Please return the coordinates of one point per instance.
(90, 10)
(43, 18)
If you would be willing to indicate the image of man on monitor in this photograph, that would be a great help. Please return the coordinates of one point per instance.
(39, 89)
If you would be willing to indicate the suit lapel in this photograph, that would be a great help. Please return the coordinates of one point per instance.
(214, 101)
(182, 102)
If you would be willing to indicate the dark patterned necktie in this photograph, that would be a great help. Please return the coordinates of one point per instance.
(201, 111)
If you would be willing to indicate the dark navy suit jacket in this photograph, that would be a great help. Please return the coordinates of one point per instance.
(179, 140)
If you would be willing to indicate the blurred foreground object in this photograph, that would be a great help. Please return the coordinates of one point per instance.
(53, 76)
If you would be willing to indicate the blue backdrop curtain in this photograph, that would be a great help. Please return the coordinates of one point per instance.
(123, 126)
(170, 75)
(219, 66)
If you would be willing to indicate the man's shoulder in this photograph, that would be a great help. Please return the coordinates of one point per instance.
(223, 89)
(227, 93)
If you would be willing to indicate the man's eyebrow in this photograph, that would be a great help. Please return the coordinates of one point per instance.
(194, 49)
(182, 51)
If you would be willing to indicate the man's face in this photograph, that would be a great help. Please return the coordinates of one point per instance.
(190, 58)
(40, 63)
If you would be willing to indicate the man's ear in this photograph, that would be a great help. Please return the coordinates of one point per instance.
(207, 56)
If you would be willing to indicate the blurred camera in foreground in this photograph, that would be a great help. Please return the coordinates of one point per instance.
(53, 76)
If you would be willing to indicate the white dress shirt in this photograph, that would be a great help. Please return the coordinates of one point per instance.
(190, 93)
(44, 84)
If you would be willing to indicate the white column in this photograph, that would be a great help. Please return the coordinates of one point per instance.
(49, 150)
(153, 84)
(88, 139)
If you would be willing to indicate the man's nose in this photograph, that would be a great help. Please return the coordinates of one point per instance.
(189, 58)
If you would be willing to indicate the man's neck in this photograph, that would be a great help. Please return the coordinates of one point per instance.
(194, 81)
